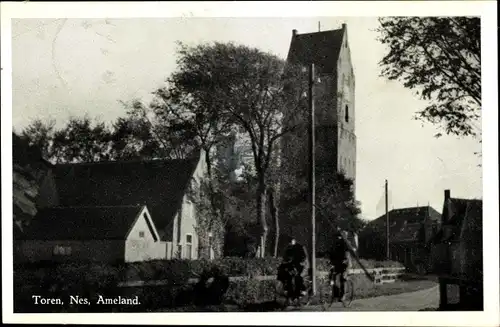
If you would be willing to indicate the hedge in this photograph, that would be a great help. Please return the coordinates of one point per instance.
(89, 279)
(177, 272)
(230, 266)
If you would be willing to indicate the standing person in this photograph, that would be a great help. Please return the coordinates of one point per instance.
(339, 260)
(295, 258)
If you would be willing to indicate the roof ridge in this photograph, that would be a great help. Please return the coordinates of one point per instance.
(464, 199)
(319, 32)
(96, 207)
(109, 162)
(415, 207)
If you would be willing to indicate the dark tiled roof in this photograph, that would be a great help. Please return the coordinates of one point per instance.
(82, 223)
(321, 48)
(158, 184)
(406, 224)
(456, 213)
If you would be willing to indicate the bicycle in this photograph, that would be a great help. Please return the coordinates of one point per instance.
(327, 298)
(290, 293)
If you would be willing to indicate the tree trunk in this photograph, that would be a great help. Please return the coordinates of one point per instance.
(275, 217)
(213, 205)
(261, 212)
(208, 163)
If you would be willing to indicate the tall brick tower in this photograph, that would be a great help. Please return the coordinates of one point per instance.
(334, 118)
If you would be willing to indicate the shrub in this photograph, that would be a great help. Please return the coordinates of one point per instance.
(234, 266)
(250, 291)
(175, 271)
(211, 288)
(185, 269)
(323, 265)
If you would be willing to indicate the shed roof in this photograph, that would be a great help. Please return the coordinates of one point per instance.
(457, 213)
(158, 184)
(83, 223)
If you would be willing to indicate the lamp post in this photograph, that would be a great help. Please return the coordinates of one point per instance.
(312, 179)
(388, 254)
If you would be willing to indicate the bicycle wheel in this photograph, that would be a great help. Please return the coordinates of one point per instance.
(326, 296)
(348, 293)
(293, 294)
(280, 296)
(306, 299)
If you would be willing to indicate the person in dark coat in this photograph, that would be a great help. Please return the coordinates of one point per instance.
(295, 257)
(339, 260)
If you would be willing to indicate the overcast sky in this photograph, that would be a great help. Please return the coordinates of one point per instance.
(92, 64)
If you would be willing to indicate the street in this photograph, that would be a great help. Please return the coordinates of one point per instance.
(413, 301)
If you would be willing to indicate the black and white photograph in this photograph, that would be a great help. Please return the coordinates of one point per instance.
(220, 159)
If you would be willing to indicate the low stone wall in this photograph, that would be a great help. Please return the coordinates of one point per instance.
(380, 275)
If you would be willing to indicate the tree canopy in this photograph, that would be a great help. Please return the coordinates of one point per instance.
(234, 86)
(440, 58)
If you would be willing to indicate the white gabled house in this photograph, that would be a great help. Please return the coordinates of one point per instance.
(97, 216)
(106, 234)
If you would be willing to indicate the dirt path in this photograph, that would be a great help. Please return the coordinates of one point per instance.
(413, 301)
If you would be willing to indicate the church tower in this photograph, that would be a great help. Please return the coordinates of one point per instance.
(334, 99)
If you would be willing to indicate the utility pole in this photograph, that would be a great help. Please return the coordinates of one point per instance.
(312, 178)
(387, 216)
(319, 26)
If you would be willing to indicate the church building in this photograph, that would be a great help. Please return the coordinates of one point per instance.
(334, 99)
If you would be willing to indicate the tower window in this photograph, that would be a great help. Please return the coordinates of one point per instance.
(346, 114)
(189, 246)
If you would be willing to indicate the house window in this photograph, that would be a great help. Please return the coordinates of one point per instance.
(346, 114)
(141, 234)
(62, 250)
(189, 246)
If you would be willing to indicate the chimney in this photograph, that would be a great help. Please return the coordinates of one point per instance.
(294, 32)
(444, 216)
(344, 26)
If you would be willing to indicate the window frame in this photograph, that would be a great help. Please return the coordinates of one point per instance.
(189, 245)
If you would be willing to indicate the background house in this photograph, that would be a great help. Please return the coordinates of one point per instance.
(410, 231)
(161, 185)
(105, 234)
(457, 254)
